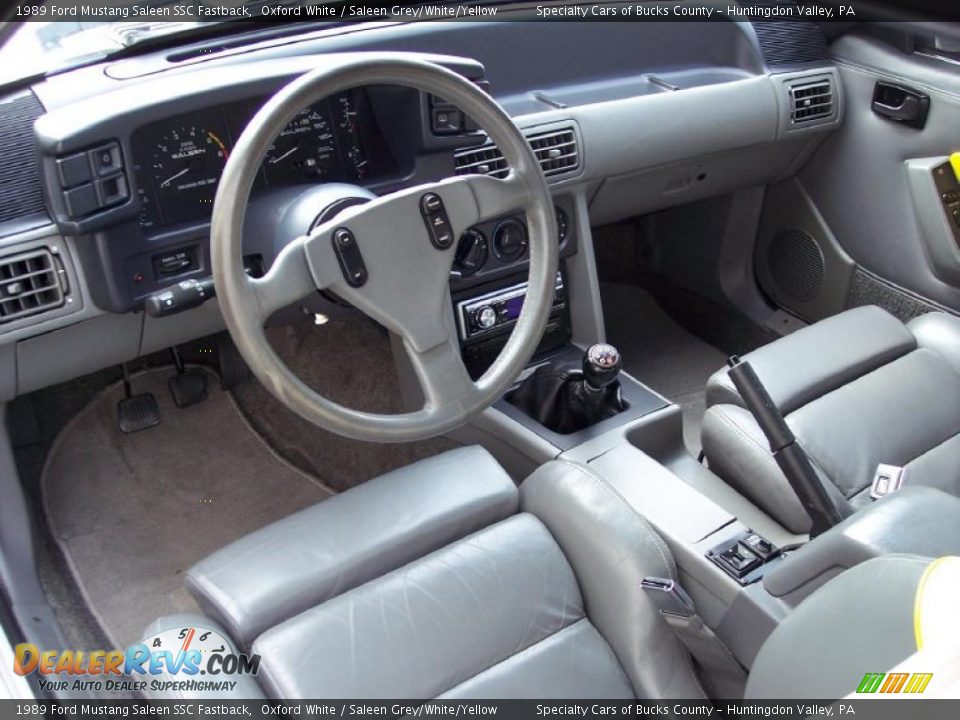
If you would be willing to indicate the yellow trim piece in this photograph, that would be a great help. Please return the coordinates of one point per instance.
(955, 164)
(931, 568)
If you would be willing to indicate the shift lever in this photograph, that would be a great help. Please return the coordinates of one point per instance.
(567, 396)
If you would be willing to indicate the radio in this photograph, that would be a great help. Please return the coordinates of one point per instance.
(498, 311)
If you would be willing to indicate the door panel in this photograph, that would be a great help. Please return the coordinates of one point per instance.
(859, 177)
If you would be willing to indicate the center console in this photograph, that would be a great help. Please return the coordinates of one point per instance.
(489, 282)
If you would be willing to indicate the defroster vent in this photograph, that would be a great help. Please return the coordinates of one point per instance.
(31, 283)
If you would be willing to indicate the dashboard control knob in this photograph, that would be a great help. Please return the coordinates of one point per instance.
(510, 239)
(485, 317)
(471, 252)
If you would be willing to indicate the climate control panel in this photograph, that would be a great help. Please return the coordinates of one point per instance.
(499, 244)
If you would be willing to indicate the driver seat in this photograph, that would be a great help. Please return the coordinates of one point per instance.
(444, 580)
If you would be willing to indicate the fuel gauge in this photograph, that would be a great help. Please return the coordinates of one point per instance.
(351, 141)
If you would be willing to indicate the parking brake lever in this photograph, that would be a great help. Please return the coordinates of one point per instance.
(823, 510)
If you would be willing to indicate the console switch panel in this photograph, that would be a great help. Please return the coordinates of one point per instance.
(744, 556)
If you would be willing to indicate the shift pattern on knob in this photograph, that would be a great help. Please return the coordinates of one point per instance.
(601, 365)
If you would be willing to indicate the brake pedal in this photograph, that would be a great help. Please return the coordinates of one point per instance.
(136, 412)
(187, 387)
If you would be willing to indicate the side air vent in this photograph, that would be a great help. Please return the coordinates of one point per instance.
(811, 101)
(21, 192)
(31, 283)
(557, 151)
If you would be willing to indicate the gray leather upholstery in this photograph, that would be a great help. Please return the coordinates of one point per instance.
(859, 622)
(939, 332)
(822, 357)
(915, 520)
(432, 581)
(329, 548)
(612, 548)
(857, 389)
(432, 626)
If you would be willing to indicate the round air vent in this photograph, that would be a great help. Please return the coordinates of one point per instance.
(796, 265)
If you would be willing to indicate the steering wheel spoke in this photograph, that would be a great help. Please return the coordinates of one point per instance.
(496, 196)
(288, 280)
(443, 378)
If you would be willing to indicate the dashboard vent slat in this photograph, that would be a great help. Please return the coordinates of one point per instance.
(30, 284)
(556, 150)
(811, 101)
(21, 192)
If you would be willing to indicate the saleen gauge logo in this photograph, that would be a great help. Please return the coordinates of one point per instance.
(912, 683)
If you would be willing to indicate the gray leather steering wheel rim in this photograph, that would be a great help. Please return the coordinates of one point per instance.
(451, 398)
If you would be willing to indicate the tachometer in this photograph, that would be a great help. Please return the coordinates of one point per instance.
(185, 168)
(305, 149)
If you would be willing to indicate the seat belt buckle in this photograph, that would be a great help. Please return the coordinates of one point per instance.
(887, 479)
(668, 596)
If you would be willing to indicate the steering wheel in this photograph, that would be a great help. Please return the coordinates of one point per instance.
(382, 257)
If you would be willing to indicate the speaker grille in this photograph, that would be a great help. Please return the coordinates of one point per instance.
(796, 265)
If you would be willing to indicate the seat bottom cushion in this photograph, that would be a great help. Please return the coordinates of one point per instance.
(473, 619)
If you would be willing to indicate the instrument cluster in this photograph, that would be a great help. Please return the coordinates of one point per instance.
(178, 161)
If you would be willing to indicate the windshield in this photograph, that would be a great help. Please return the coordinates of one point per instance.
(40, 47)
(49, 40)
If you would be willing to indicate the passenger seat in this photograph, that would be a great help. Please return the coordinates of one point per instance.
(857, 389)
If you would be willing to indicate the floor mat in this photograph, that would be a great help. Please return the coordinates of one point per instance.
(660, 353)
(131, 513)
(348, 360)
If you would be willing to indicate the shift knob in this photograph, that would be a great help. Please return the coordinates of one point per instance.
(601, 365)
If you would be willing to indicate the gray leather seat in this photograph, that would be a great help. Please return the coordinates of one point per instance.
(858, 389)
(443, 579)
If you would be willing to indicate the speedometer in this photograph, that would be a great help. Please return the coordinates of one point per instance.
(305, 149)
(185, 168)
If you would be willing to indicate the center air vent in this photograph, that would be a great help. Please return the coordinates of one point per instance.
(555, 149)
(811, 101)
(30, 283)
(485, 160)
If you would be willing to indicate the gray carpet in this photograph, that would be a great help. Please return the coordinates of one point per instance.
(348, 360)
(132, 512)
(660, 353)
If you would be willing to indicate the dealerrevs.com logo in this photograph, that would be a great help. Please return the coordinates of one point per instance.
(179, 659)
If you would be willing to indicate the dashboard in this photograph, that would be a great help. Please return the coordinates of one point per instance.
(178, 161)
(122, 161)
